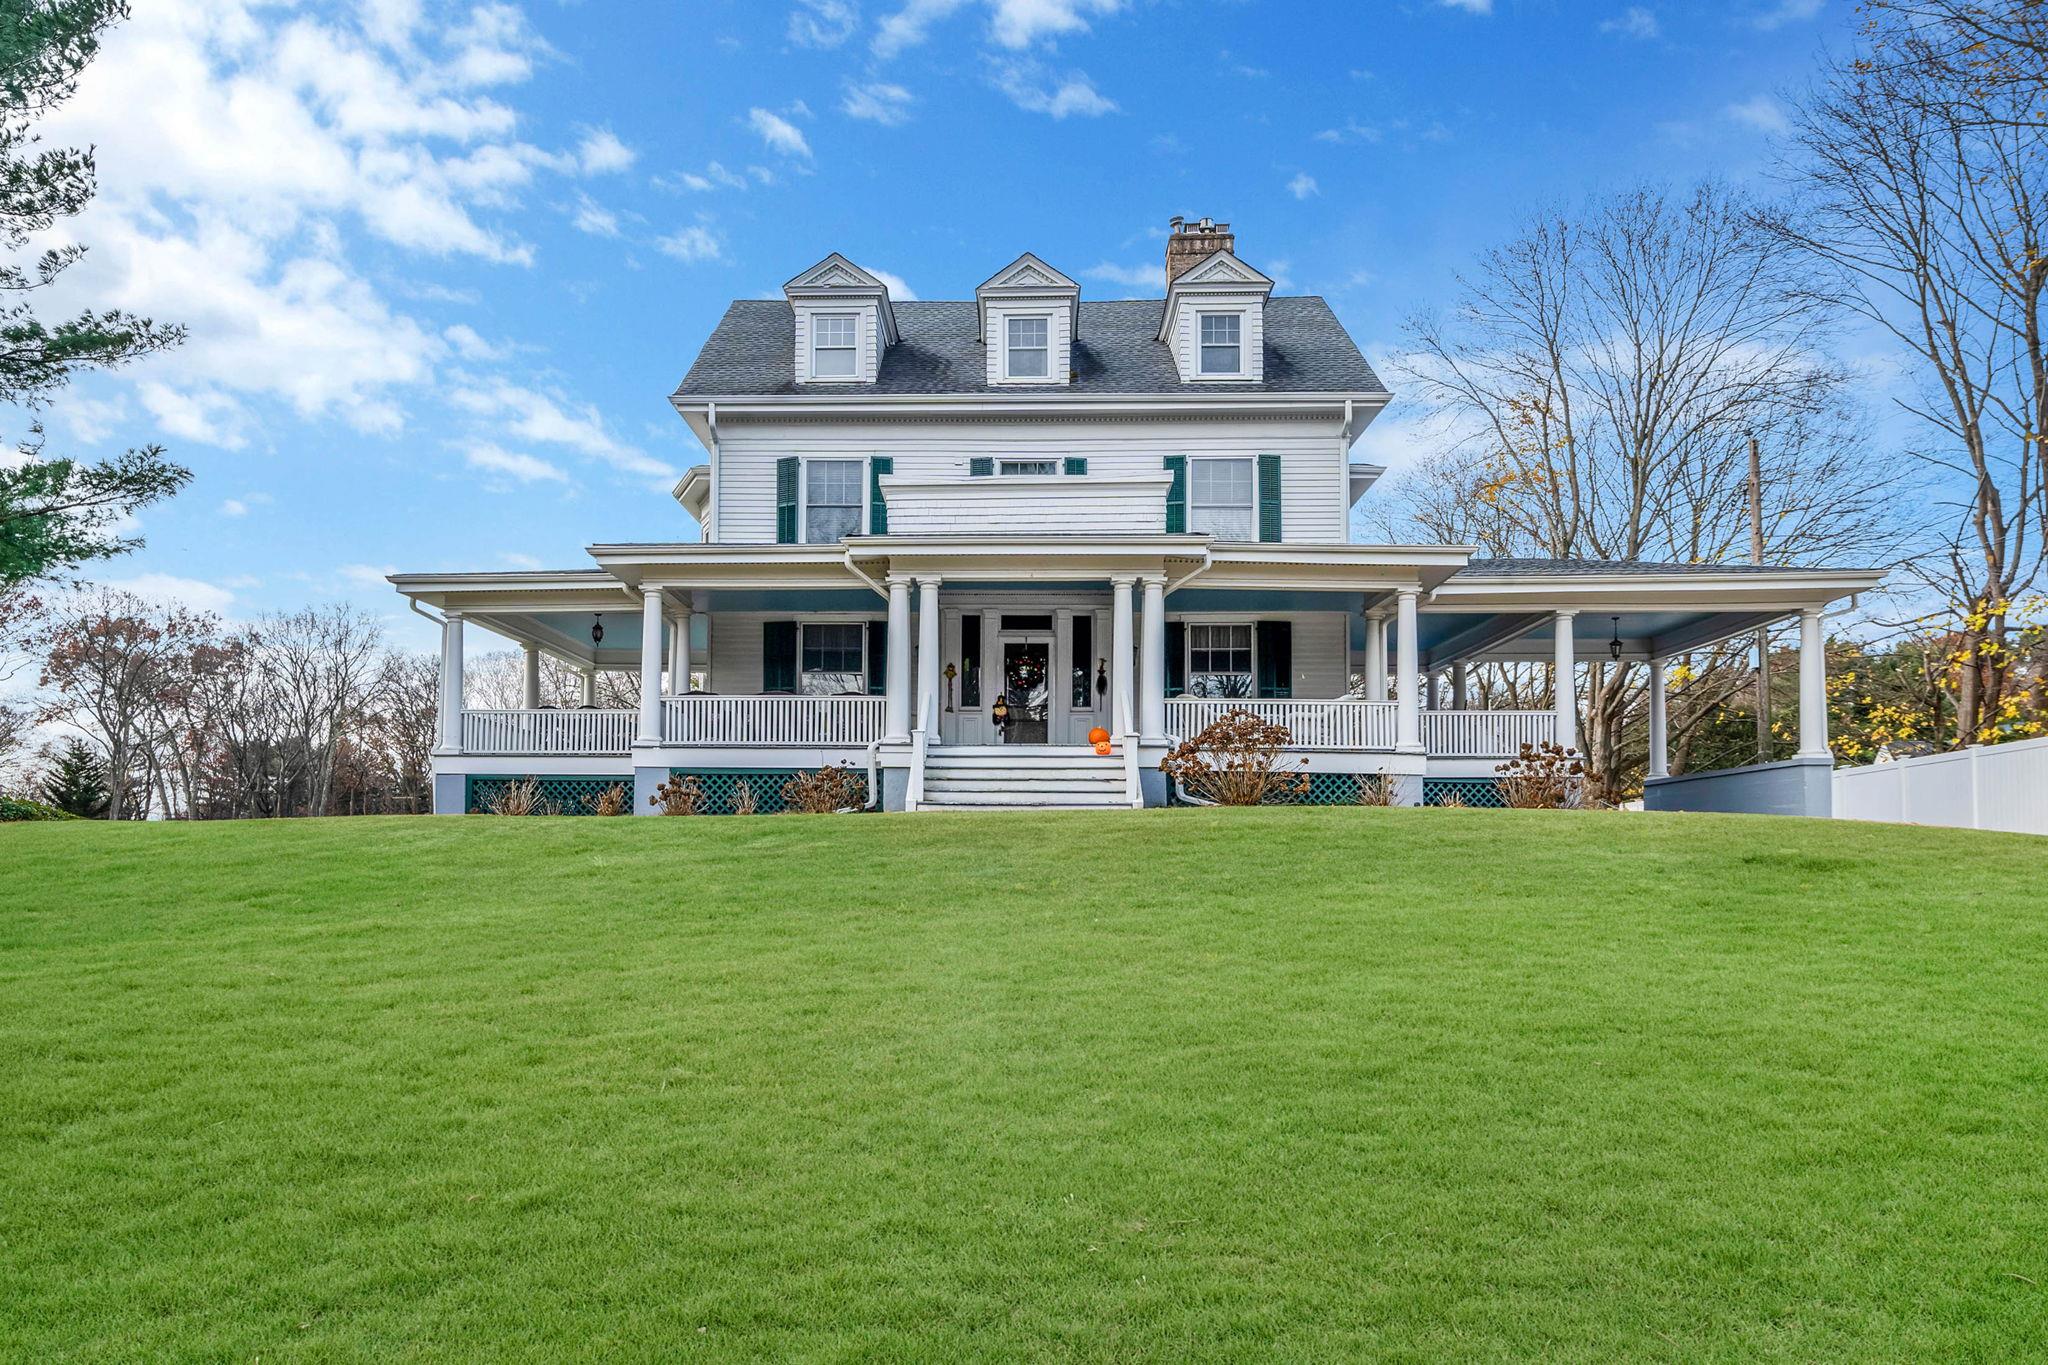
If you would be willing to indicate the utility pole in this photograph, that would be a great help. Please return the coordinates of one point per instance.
(1763, 636)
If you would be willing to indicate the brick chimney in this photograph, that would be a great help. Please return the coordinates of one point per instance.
(1189, 244)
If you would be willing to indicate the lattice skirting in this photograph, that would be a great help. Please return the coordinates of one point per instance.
(722, 787)
(1470, 791)
(558, 795)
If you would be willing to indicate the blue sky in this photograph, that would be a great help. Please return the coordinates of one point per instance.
(442, 263)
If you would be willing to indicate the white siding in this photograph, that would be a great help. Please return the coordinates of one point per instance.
(1186, 335)
(1057, 505)
(1321, 647)
(1312, 457)
(867, 329)
(1059, 335)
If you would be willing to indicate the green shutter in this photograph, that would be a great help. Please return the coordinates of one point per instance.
(785, 500)
(778, 656)
(1176, 659)
(1077, 464)
(1274, 642)
(1177, 495)
(1269, 497)
(981, 466)
(878, 510)
(878, 657)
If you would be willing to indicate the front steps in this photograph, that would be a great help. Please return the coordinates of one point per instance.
(1023, 777)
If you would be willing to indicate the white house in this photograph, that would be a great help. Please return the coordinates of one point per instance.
(943, 541)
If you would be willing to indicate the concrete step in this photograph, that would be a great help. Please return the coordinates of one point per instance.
(1019, 784)
(1027, 800)
(1013, 750)
(1071, 774)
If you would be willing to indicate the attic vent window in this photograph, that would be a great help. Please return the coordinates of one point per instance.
(1221, 349)
(1028, 348)
(834, 352)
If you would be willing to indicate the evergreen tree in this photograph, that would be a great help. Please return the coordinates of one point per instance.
(58, 513)
(77, 781)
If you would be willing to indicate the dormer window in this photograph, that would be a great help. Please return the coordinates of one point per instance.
(1222, 343)
(1029, 348)
(835, 350)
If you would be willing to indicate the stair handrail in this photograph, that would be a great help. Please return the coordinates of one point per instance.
(1133, 793)
(919, 742)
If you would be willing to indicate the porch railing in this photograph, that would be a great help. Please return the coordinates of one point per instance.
(701, 719)
(1313, 724)
(547, 732)
(1484, 734)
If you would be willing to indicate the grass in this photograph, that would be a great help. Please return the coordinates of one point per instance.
(1414, 1085)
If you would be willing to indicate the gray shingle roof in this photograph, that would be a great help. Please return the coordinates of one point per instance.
(752, 352)
(1511, 568)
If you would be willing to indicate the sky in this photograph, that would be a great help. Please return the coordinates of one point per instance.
(442, 263)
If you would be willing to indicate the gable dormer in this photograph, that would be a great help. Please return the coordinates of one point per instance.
(844, 322)
(1215, 321)
(1029, 316)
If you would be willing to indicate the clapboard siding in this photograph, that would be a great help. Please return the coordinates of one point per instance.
(1321, 647)
(1312, 458)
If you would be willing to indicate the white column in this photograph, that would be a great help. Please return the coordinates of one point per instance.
(529, 690)
(451, 682)
(1461, 695)
(896, 682)
(1567, 697)
(589, 697)
(1120, 653)
(1660, 744)
(679, 653)
(1813, 685)
(927, 652)
(1152, 675)
(650, 666)
(1408, 675)
(1375, 656)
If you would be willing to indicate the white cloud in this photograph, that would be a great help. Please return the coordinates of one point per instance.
(1014, 24)
(514, 560)
(496, 459)
(1469, 6)
(778, 132)
(92, 420)
(234, 507)
(196, 415)
(1303, 186)
(691, 244)
(551, 420)
(878, 102)
(822, 23)
(594, 218)
(169, 590)
(1633, 22)
(1031, 88)
(371, 576)
(1762, 113)
(1148, 277)
(1787, 12)
(601, 153)
(714, 177)
(898, 289)
(471, 346)
(1351, 130)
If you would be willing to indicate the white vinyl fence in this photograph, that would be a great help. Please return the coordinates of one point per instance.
(2002, 786)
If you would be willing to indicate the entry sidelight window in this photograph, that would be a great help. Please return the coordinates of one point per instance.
(1219, 660)
(970, 661)
(832, 660)
(1083, 660)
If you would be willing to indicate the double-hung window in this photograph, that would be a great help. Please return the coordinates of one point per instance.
(1222, 343)
(835, 353)
(1220, 499)
(833, 500)
(833, 663)
(1219, 660)
(1028, 349)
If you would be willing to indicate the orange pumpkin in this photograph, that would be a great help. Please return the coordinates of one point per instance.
(1098, 736)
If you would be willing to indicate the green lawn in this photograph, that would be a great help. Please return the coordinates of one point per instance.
(1433, 1084)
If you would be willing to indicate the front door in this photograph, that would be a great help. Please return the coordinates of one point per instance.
(1027, 688)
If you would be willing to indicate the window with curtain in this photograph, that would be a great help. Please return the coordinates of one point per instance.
(1222, 499)
(833, 500)
(835, 353)
(1222, 351)
(832, 660)
(1219, 660)
(1029, 353)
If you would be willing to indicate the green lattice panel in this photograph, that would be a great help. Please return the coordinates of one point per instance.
(559, 795)
(1473, 791)
(1335, 789)
(722, 787)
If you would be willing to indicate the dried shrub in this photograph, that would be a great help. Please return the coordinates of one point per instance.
(678, 796)
(1544, 776)
(613, 800)
(1451, 800)
(743, 801)
(1375, 789)
(829, 789)
(1237, 762)
(519, 797)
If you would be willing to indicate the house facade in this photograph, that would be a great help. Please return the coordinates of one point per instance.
(944, 542)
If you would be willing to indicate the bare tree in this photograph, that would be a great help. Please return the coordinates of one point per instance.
(1597, 382)
(497, 681)
(1924, 192)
